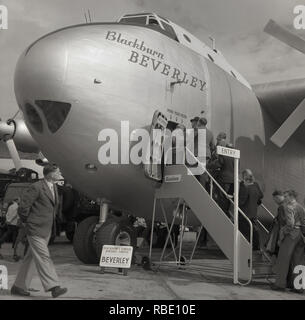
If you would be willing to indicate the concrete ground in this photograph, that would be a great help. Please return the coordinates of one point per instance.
(199, 282)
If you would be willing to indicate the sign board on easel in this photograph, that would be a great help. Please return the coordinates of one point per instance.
(116, 257)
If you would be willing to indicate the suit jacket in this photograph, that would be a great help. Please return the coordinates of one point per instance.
(226, 173)
(38, 209)
(250, 198)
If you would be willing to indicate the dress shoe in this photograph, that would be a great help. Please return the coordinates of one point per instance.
(19, 292)
(58, 291)
(276, 288)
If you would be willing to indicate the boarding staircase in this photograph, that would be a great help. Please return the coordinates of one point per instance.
(180, 183)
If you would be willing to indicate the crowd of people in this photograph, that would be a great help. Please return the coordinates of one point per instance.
(285, 246)
(286, 241)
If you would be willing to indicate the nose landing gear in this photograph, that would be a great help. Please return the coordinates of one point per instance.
(95, 232)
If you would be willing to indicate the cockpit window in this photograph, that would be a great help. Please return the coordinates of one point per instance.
(169, 29)
(151, 21)
(134, 20)
(154, 24)
(33, 118)
(55, 112)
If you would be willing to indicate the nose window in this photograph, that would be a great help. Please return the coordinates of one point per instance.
(33, 117)
(55, 112)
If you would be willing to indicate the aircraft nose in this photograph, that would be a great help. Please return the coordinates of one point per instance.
(39, 78)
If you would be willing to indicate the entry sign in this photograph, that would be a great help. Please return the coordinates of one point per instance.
(228, 152)
(116, 256)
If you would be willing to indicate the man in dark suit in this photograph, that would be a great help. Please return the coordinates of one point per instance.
(250, 197)
(37, 209)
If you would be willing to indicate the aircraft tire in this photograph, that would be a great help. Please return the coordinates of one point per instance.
(83, 241)
(114, 232)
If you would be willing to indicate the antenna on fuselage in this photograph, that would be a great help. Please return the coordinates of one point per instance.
(85, 17)
(89, 15)
(213, 43)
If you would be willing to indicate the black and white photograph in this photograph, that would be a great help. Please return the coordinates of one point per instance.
(152, 153)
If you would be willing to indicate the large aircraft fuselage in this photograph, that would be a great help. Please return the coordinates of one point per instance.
(111, 73)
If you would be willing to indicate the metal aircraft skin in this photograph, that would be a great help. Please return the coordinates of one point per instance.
(100, 74)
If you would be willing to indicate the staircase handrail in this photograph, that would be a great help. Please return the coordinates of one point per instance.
(227, 196)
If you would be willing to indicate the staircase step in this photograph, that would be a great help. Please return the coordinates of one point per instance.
(259, 256)
(214, 220)
(262, 269)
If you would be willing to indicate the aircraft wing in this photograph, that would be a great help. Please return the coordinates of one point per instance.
(284, 101)
(4, 154)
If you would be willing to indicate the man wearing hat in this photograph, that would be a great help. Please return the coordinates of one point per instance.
(38, 209)
(194, 122)
(221, 139)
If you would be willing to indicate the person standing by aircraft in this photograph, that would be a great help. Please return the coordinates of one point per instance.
(272, 247)
(214, 165)
(194, 122)
(11, 222)
(250, 197)
(291, 243)
(208, 145)
(38, 208)
(221, 139)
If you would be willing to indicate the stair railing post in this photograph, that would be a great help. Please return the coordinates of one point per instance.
(152, 228)
(181, 233)
(236, 194)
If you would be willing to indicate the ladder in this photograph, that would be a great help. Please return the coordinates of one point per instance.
(180, 183)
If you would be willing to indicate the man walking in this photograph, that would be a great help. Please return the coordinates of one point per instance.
(37, 210)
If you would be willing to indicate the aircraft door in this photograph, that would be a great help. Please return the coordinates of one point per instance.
(153, 169)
